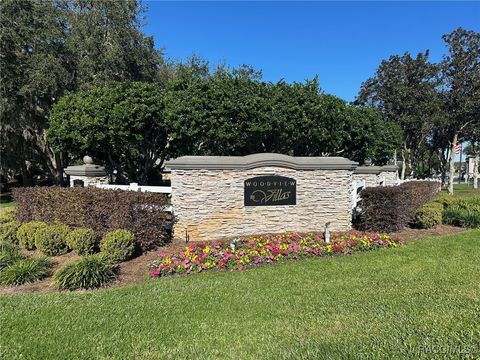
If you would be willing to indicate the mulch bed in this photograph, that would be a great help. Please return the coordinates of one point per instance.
(413, 234)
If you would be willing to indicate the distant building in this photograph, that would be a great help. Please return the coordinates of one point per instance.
(470, 161)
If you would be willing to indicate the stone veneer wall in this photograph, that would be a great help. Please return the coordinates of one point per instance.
(390, 177)
(88, 180)
(370, 179)
(210, 203)
(375, 175)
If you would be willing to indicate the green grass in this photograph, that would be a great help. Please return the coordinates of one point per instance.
(384, 304)
(7, 204)
(465, 190)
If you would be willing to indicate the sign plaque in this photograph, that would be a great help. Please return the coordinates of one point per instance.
(270, 191)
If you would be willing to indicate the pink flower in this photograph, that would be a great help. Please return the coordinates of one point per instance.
(294, 247)
(154, 272)
(240, 267)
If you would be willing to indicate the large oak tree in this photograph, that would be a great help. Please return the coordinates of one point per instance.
(461, 90)
(404, 91)
(51, 47)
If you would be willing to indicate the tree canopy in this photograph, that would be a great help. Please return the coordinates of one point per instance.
(404, 91)
(121, 125)
(134, 127)
(51, 47)
(436, 105)
(114, 96)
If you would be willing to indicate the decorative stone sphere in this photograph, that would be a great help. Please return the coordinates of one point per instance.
(87, 160)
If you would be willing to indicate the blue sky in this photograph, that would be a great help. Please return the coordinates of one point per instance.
(341, 42)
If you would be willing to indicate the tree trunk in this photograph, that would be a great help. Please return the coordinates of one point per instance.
(59, 169)
(395, 163)
(451, 172)
(402, 176)
(409, 162)
(444, 154)
(475, 171)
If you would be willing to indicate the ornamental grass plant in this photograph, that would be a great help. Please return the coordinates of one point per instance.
(463, 212)
(89, 272)
(25, 271)
(9, 254)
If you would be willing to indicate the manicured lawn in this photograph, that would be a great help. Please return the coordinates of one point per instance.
(7, 204)
(383, 304)
(464, 190)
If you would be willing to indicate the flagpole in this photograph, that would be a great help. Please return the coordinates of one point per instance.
(460, 170)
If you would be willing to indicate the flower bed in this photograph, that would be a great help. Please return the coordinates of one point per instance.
(265, 249)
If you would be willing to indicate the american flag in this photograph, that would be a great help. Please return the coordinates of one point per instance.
(458, 148)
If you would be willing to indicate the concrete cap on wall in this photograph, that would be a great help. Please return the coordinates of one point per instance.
(261, 160)
(390, 168)
(89, 169)
(374, 169)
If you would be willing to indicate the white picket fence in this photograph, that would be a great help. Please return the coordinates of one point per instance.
(142, 188)
(358, 185)
(410, 180)
(136, 187)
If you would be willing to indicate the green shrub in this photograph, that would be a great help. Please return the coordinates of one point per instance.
(8, 254)
(391, 208)
(118, 245)
(463, 212)
(51, 239)
(445, 199)
(26, 234)
(83, 241)
(25, 271)
(7, 215)
(428, 216)
(102, 210)
(8, 231)
(89, 272)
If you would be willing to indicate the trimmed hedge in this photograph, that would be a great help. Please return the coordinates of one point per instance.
(445, 199)
(100, 209)
(83, 241)
(26, 234)
(7, 215)
(8, 231)
(51, 240)
(391, 208)
(118, 245)
(428, 216)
